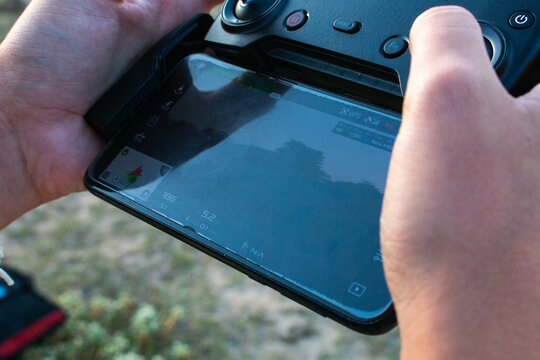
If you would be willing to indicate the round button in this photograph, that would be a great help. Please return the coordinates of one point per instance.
(521, 20)
(395, 47)
(296, 20)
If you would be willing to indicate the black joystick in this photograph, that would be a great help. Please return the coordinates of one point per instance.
(239, 13)
(252, 9)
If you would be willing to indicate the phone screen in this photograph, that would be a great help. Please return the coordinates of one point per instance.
(286, 177)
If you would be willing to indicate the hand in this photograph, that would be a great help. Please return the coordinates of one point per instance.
(60, 56)
(461, 217)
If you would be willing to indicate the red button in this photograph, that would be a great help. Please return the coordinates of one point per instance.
(296, 20)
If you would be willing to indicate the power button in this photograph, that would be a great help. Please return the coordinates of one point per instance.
(521, 20)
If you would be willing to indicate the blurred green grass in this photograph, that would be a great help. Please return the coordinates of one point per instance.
(6, 21)
(132, 292)
(9, 11)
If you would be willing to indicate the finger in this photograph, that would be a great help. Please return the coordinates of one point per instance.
(449, 60)
(446, 29)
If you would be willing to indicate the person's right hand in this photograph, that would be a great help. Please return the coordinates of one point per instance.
(460, 228)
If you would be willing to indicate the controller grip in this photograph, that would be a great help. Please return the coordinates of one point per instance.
(109, 113)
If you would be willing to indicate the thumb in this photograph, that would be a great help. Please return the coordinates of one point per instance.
(450, 64)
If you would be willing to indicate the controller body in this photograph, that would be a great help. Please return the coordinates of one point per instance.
(353, 48)
(366, 42)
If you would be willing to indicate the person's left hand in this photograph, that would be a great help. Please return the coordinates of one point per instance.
(60, 56)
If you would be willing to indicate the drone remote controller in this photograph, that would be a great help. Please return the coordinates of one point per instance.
(355, 50)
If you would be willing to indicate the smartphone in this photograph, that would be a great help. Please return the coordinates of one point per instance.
(280, 180)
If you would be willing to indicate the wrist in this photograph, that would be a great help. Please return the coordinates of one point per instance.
(18, 192)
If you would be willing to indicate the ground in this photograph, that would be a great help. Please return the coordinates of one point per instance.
(132, 292)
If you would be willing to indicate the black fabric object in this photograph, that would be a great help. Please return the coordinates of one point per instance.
(25, 316)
